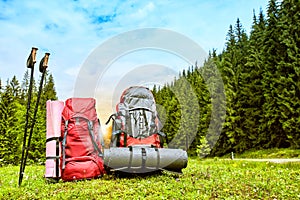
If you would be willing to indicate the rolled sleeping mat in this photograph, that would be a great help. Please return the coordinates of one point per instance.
(138, 159)
(53, 147)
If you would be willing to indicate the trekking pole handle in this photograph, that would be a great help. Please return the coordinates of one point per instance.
(44, 62)
(32, 58)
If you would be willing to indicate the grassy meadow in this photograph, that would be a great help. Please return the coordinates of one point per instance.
(202, 179)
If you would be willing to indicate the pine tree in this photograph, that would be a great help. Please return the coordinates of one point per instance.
(49, 92)
(10, 126)
(16, 89)
(228, 68)
(169, 112)
(25, 87)
(288, 69)
(242, 49)
(252, 92)
(271, 126)
(212, 102)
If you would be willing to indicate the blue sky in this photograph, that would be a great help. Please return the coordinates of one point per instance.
(71, 30)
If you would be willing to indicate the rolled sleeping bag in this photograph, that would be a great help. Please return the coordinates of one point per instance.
(53, 147)
(138, 159)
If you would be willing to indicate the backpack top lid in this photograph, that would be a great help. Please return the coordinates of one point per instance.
(80, 107)
(138, 97)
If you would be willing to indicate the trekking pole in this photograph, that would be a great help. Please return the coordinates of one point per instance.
(30, 64)
(42, 68)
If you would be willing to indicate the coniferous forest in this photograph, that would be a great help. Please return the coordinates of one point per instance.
(13, 104)
(261, 79)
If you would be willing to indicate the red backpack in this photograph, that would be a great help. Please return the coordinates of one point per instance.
(81, 154)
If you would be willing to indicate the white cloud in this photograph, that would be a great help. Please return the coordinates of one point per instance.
(144, 11)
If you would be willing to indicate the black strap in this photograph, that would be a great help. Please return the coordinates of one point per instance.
(128, 121)
(146, 122)
(57, 157)
(118, 139)
(111, 117)
(52, 157)
(161, 141)
(158, 158)
(117, 133)
(140, 108)
(125, 139)
(144, 157)
(130, 158)
(52, 138)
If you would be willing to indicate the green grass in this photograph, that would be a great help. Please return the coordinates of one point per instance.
(202, 179)
(268, 153)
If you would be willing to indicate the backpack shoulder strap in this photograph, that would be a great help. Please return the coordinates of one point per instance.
(91, 133)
